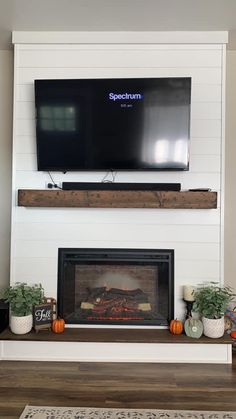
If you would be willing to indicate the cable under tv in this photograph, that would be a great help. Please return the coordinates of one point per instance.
(119, 186)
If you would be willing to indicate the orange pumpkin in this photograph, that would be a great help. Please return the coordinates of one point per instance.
(58, 326)
(233, 334)
(176, 327)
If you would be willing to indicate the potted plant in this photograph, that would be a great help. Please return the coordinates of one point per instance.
(211, 301)
(21, 298)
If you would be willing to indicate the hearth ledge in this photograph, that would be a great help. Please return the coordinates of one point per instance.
(172, 349)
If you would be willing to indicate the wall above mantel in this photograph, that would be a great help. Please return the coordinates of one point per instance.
(44, 220)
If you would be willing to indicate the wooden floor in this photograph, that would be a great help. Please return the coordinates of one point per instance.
(163, 386)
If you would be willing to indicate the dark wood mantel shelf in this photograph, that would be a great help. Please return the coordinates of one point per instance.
(117, 199)
(113, 335)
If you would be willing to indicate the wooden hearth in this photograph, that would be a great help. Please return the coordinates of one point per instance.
(114, 345)
(113, 335)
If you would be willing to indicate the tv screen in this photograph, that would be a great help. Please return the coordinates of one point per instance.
(113, 124)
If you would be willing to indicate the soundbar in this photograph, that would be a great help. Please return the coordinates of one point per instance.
(118, 186)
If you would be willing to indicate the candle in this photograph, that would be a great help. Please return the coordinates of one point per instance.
(188, 293)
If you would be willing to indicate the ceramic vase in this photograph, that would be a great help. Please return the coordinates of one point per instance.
(213, 328)
(21, 325)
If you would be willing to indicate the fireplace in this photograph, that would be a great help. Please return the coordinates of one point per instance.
(116, 286)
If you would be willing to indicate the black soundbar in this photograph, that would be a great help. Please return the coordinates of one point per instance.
(117, 186)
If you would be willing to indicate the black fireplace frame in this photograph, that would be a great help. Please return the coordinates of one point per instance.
(114, 254)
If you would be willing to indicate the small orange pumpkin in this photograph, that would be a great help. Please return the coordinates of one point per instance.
(176, 327)
(233, 334)
(58, 326)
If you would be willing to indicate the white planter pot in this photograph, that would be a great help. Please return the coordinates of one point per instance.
(21, 325)
(213, 328)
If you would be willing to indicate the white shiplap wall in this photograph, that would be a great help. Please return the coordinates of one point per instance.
(195, 235)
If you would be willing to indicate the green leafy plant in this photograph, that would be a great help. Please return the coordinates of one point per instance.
(211, 300)
(21, 298)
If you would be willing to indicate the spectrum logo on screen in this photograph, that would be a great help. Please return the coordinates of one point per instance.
(125, 96)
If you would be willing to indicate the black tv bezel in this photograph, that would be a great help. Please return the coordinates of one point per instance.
(113, 169)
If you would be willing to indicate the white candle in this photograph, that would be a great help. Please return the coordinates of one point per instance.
(188, 293)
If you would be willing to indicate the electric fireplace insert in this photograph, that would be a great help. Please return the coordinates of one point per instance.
(116, 286)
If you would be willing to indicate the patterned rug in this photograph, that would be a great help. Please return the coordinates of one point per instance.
(37, 412)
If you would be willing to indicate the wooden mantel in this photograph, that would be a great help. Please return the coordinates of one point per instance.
(117, 199)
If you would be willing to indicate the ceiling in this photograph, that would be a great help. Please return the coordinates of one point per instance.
(116, 15)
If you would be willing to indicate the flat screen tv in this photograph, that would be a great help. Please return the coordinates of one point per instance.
(113, 124)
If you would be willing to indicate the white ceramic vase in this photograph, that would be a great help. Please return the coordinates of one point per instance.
(213, 328)
(21, 325)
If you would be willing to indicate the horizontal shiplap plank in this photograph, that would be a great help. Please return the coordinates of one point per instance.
(206, 128)
(119, 58)
(205, 163)
(36, 231)
(25, 90)
(206, 93)
(200, 128)
(35, 180)
(34, 269)
(49, 285)
(44, 249)
(26, 110)
(198, 163)
(38, 180)
(205, 146)
(187, 179)
(209, 110)
(27, 145)
(113, 216)
(201, 92)
(197, 270)
(26, 162)
(196, 251)
(25, 127)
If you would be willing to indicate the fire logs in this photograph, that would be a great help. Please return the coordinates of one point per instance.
(115, 301)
